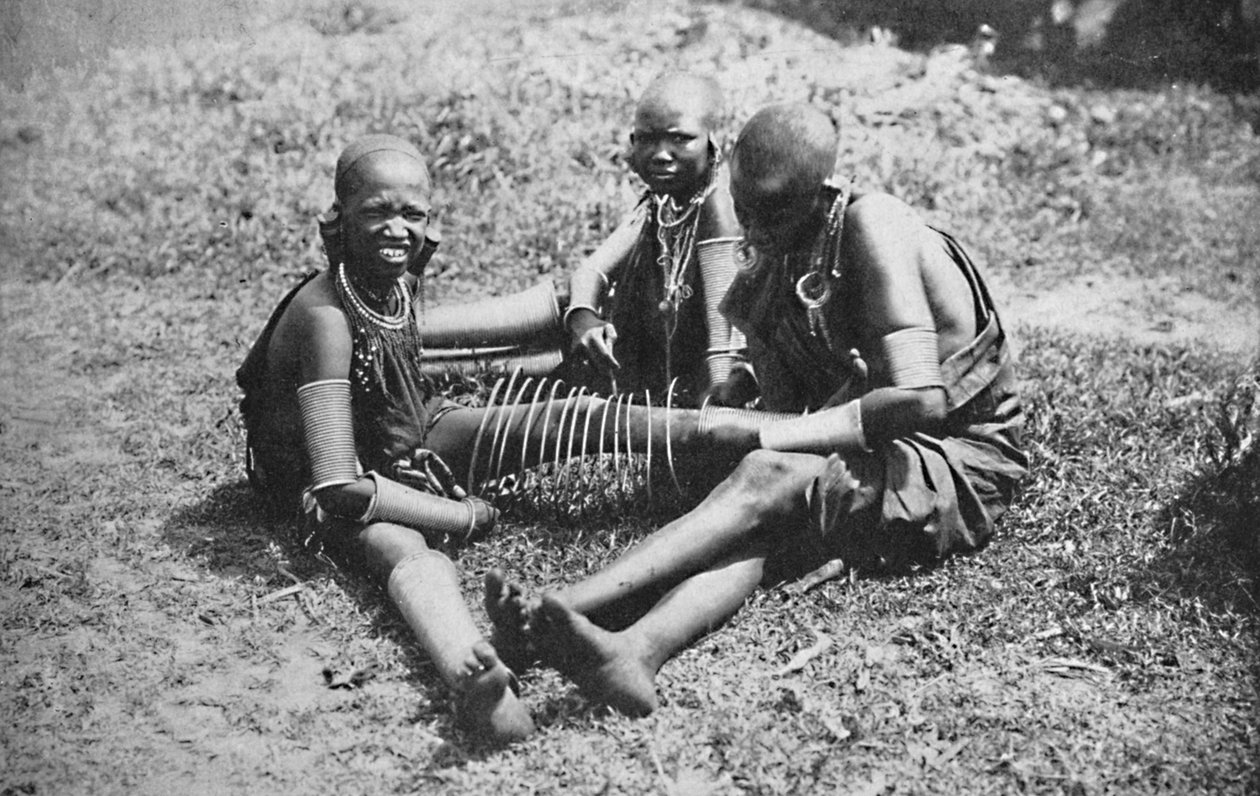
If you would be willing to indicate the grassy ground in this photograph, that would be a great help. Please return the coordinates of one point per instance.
(1106, 643)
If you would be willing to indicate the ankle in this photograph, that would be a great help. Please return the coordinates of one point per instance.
(641, 647)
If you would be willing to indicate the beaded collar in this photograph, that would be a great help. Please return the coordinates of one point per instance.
(360, 311)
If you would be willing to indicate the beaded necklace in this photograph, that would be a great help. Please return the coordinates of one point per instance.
(362, 312)
(377, 337)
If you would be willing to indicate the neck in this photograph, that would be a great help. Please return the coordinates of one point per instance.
(376, 290)
(684, 196)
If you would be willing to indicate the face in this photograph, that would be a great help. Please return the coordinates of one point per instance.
(385, 216)
(777, 216)
(669, 149)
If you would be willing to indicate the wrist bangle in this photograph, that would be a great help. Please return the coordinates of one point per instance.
(574, 308)
(837, 428)
(369, 513)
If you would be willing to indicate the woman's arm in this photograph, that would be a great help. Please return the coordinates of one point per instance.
(588, 286)
(884, 254)
(337, 483)
(731, 379)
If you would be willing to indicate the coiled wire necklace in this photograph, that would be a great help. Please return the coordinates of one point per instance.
(676, 233)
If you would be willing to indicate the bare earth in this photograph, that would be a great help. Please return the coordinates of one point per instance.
(1149, 311)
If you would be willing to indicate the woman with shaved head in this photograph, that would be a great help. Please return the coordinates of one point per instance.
(338, 413)
(893, 435)
(643, 305)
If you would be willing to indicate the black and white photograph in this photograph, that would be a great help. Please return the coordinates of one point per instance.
(670, 397)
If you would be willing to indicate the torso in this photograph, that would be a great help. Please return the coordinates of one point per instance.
(313, 341)
(785, 331)
(656, 342)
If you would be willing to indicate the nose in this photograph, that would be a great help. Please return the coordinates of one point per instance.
(396, 228)
(662, 153)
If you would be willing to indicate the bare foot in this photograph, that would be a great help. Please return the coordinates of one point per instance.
(510, 612)
(606, 666)
(488, 708)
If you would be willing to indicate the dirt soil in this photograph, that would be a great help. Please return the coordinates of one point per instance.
(1149, 311)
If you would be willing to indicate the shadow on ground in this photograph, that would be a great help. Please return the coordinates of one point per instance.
(1215, 550)
(236, 534)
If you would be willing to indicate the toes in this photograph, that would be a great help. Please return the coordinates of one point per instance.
(488, 707)
(553, 612)
(485, 655)
(495, 583)
(505, 599)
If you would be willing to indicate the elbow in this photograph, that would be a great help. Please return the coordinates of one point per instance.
(345, 500)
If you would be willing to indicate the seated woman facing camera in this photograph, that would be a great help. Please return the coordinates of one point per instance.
(644, 305)
(340, 417)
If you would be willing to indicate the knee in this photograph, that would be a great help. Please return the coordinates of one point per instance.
(769, 483)
(385, 544)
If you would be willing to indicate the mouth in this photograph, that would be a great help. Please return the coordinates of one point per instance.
(395, 254)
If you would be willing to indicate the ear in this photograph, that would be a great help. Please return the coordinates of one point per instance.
(330, 234)
(822, 202)
(715, 149)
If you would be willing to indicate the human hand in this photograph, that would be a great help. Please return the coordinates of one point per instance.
(594, 337)
(426, 471)
(738, 390)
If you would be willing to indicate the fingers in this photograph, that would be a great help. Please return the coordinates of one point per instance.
(598, 343)
(602, 346)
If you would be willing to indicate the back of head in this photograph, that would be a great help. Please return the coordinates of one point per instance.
(685, 91)
(793, 144)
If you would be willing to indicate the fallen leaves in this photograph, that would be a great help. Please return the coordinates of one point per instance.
(355, 679)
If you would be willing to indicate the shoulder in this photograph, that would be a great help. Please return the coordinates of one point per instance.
(314, 329)
(717, 214)
(877, 214)
(317, 305)
(882, 233)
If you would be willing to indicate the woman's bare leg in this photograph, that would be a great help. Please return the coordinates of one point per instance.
(423, 584)
(765, 493)
(619, 669)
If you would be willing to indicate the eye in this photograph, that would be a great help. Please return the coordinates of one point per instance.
(415, 216)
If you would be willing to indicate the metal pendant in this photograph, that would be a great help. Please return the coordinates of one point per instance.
(745, 255)
(813, 291)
